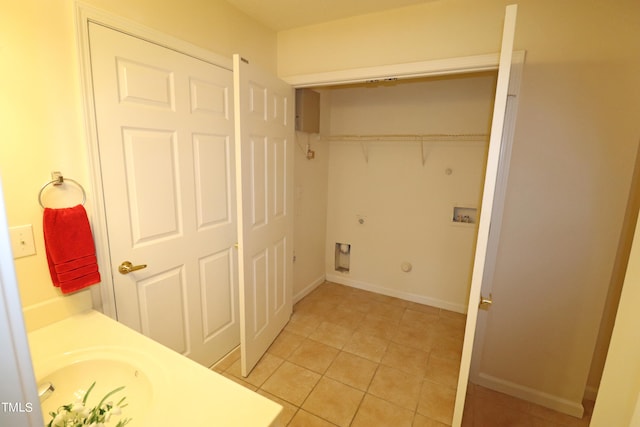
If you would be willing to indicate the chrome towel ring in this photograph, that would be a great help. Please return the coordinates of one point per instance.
(59, 180)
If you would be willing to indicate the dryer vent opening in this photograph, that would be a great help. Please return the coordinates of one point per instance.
(343, 254)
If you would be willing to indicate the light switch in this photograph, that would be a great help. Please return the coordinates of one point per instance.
(22, 243)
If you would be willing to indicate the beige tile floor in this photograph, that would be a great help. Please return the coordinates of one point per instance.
(354, 358)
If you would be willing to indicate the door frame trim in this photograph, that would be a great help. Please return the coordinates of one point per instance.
(104, 297)
(409, 70)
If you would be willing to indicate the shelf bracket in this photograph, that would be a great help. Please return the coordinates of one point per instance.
(425, 150)
(365, 151)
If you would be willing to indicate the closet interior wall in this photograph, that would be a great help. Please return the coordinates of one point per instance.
(393, 199)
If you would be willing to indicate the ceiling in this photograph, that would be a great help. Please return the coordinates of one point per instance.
(286, 14)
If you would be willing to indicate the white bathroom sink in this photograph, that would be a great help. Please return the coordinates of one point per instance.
(163, 387)
(73, 374)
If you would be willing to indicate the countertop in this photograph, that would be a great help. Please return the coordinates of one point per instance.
(184, 392)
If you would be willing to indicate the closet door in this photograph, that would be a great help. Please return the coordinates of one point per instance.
(264, 165)
(493, 161)
(165, 137)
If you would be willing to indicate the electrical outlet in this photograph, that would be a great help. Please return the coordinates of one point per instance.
(22, 243)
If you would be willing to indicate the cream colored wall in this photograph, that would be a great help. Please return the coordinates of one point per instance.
(571, 164)
(617, 280)
(310, 204)
(620, 387)
(214, 25)
(41, 108)
(408, 205)
(441, 29)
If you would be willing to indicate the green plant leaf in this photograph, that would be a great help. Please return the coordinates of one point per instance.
(86, 395)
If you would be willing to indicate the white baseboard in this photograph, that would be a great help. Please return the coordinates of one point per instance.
(434, 302)
(538, 397)
(308, 289)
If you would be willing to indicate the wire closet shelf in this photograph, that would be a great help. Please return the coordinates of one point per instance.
(423, 139)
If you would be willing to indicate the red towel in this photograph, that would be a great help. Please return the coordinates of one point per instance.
(71, 252)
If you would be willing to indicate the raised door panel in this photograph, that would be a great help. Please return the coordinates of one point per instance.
(214, 194)
(153, 198)
(219, 302)
(145, 84)
(257, 101)
(259, 181)
(258, 300)
(209, 98)
(162, 300)
(279, 284)
(278, 172)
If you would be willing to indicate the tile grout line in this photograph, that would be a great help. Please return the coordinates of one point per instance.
(340, 350)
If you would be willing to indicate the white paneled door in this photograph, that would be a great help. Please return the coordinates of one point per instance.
(494, 159)
(264, 131)
(165, 128)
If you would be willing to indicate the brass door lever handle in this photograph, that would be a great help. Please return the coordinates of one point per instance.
(126, 267)
(485, 303)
